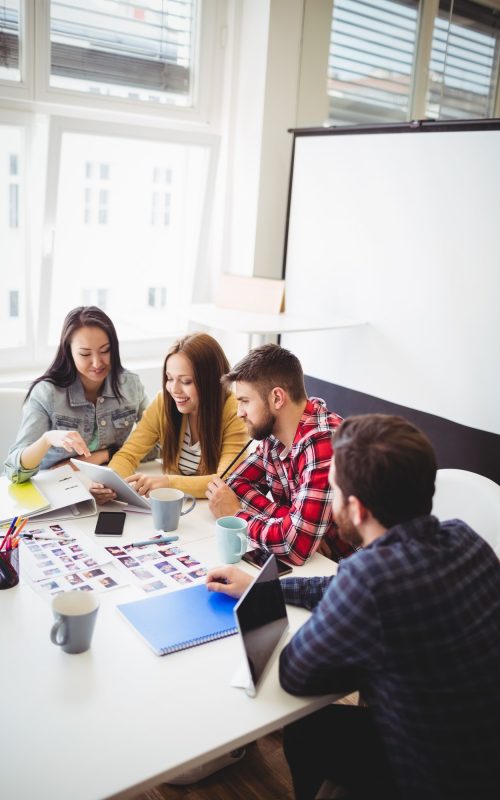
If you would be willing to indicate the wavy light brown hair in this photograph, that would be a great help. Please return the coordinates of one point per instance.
(209, 364)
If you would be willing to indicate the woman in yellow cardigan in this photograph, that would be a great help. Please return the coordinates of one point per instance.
(193, 419)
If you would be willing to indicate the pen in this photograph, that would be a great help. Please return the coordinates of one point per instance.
(156, 540)
(235, 459)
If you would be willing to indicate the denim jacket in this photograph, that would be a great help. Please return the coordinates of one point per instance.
(52, 407)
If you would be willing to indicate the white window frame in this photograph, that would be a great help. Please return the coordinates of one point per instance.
(145, 348)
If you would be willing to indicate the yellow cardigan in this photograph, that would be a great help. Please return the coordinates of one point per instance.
(151, 429)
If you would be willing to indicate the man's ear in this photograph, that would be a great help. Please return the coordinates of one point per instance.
(277, 398)
(356, 510)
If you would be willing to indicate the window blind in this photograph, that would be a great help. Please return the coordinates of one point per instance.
(9, 34)
(371, 56)
(464, 61)
(147, 44)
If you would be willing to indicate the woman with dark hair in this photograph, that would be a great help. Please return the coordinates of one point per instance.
(84, 405)
(194, 419)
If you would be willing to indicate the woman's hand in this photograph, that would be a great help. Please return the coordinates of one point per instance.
(230, 580)
(69, 440)
(144, 483)
(101, 493)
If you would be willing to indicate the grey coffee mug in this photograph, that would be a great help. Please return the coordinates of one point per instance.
(166, 505)
(75, 613)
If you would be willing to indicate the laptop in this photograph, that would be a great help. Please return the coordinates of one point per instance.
(262, 623)
(110, 479)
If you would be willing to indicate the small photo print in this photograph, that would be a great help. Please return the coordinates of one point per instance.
(115, 551)
(85, 588)
(75, 548)
(107, 581)
(188, 561)
(143, 557)
(142, 574)
(56, 528)
(169, 551)
(198, 573)
(74, 579)
(180, 577)
(50, 585)
(90, 562)
(41, 556)
(165, 567)
(67, 560)
(58, 551)
(129, 562)
(32, 547)
(92, 573)
(52, 571)
(153, 587)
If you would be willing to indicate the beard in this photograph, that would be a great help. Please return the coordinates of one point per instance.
(264, 428)
(347, 530)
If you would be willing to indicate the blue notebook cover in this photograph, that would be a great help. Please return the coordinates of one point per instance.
(181, 619)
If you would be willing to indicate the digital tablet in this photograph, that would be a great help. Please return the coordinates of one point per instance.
(112, 480)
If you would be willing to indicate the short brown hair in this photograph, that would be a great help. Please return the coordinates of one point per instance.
(209, 363)
(388, 464)
(268, 366)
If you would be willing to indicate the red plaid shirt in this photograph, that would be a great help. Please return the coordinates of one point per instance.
(299, 514)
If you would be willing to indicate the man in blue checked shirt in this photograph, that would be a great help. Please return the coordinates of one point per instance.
(412, 620)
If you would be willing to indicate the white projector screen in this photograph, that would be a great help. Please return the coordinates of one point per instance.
(401, 229)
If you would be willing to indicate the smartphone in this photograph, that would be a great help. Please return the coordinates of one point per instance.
(110, 523)
(258, 557)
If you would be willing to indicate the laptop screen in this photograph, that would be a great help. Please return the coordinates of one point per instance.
(262, 620)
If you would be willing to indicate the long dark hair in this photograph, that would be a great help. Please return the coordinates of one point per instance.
(209, 365)
(62, 371)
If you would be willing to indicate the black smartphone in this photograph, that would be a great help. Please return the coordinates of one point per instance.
(110, 523)
(258, 557)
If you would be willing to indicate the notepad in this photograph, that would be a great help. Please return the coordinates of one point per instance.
(181, 619)
(20, 498)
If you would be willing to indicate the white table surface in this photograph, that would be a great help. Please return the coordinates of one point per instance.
(118, 720)
(258, 325)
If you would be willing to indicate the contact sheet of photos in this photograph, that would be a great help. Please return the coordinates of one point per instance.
(154, 567)
(63, 564)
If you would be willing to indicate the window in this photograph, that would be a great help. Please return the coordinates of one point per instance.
(381, 53)
(142, 50)
(371, 57)
(13, 238)
(464, 61)
(102, 225)
(9, 40)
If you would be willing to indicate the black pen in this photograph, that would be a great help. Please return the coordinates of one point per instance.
(235, 459)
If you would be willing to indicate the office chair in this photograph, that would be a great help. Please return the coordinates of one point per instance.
(471, 497)
(11, 404)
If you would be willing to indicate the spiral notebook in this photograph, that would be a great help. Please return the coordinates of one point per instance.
(181, 619)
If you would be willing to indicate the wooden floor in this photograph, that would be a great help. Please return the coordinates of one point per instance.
(262, 774)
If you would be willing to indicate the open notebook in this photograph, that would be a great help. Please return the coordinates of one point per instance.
(262, 622)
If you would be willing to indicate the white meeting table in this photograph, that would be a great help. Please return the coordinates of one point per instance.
(118, 720)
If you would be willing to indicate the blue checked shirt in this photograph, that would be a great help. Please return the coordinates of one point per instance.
(414, 621)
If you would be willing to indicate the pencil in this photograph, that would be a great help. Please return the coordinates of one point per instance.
(235, 459)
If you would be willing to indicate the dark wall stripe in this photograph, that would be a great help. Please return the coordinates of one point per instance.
(457, 446)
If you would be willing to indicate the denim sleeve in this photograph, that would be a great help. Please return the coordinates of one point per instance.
(35, 422)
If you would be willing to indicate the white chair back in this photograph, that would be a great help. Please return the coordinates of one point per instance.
(11, 405)
(471, 497)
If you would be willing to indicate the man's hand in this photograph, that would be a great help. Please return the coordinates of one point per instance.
(144, 483)
(222, 501)
(230, 580)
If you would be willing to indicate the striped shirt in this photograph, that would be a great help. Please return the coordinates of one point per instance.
(412, 621)
(190, 455)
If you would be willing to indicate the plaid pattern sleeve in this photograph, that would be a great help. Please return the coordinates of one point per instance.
(294, 521)
(305, 592)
